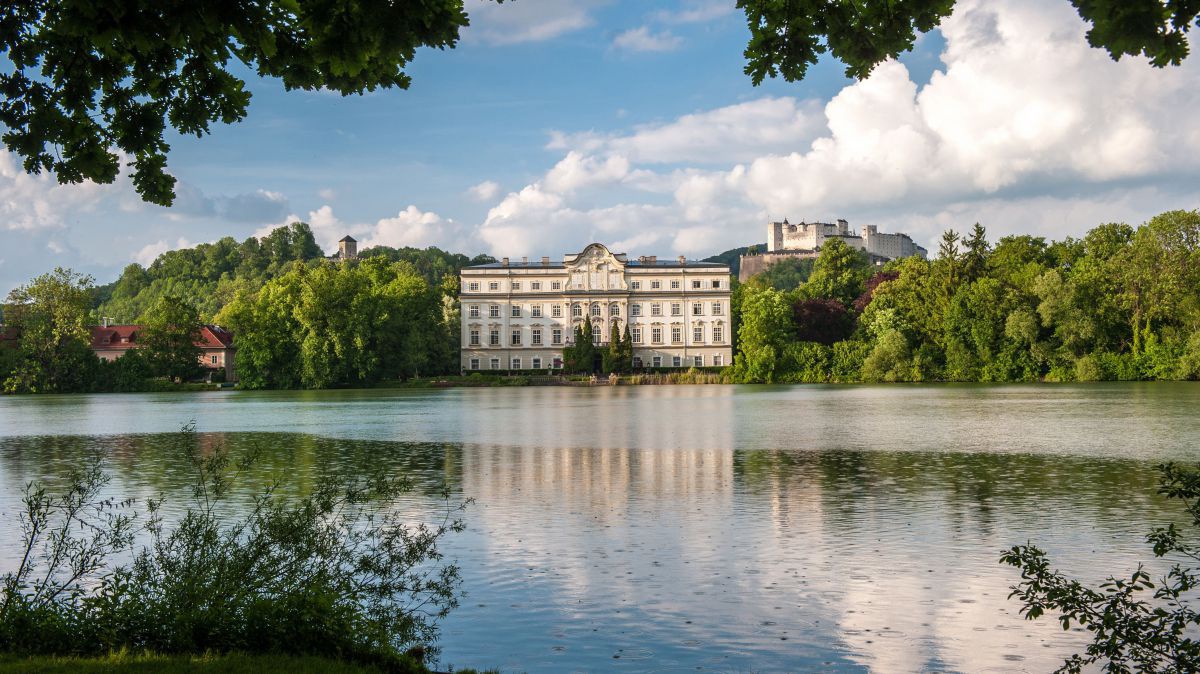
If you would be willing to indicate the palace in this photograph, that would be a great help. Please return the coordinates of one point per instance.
(519, 316)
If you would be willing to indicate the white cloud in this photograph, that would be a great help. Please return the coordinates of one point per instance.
(29, 202)
(328, 194)
(484, 191)
(640, 39)
(149, 252)
(698, 11)
(526, 20)
(727, 134)
(1025, 128)
(417, 228)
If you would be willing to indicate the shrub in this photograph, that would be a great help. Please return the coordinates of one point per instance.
(336, 573)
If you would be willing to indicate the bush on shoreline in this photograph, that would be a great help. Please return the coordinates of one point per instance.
(338, 573)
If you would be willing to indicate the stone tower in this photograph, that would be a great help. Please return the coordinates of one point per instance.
(347, 248)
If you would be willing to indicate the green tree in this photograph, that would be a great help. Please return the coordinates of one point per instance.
(580, 355)
(50, 317)
(788, 37)
(86, 80)
(766, 327)
(1136, 624)
(974, 262)
(839, 273)
(170, 337)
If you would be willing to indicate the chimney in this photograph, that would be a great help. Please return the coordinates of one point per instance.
(504, 262)
(545, 260)
(682, 260)
(651, 259)
(524, 260)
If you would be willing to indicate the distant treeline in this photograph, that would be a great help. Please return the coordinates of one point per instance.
(299, 319)
(1121, 303)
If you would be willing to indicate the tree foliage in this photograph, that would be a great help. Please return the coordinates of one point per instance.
(1121, 303)
(50, 317)
(1136, 624)
(171, 331)
(89, 82)
(787, 37)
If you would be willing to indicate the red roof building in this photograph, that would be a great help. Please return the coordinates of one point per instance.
(216, 345)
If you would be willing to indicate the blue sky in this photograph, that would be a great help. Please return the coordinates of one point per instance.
(554, 124)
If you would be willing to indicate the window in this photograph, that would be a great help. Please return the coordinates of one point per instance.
(636, 333)
(635, 285)
(493, 285)
(537, 363)
(557, 364)
(516, 285)
(676, 335)
(614, 310)
(674, 285)
(716, 308)
(516, 363)
(717, 360)
(535, 311)
(698, 334)
(473, 312)
(556, 336)
(676, 309)
(655, 309)
(494, 338)
(474, 363)
(595, 309)
(576, 310)
(212, 360)
(696, 284)
(535, 337)
(556, 285)
(495, 363)
(637, 362)
(676, 361)
(475, 338)
(494, 311)
(596, 337)
(718, 334)
(698, 361)
(716, 283)
(536, 285)
(556, 311)
(656, 335)
(516, 337)
(516, 311)
(697, 308)
(657, 361)
(655, 285)
(473, 286)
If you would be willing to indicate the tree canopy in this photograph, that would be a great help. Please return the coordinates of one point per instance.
(92, 83)
(788, 36)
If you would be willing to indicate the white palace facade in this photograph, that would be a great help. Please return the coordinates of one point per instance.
(520, 316)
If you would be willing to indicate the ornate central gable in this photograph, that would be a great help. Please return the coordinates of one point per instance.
(596, 269)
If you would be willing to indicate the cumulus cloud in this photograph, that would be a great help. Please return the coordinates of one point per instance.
(1024, 128)
(484, 191)
(257, 206)
(29, 202)
(641, 39)
(149, 252)
(526, 21)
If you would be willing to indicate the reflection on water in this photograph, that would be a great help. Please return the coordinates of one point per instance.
(701, 528)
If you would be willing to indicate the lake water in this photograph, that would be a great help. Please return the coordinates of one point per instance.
(702, 528)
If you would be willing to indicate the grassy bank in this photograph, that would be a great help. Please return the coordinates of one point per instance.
(233, 663)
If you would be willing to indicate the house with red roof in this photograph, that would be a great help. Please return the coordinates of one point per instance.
(215, 342)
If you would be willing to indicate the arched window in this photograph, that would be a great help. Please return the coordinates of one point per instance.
(576, 310)
(596, 309)
(614, 309)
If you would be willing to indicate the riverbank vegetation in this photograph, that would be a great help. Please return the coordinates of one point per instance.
(337, 573)
(1120, 303)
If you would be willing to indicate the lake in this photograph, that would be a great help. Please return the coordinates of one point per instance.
(701, 528)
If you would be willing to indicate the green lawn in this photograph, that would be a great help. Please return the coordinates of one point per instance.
(122, 663)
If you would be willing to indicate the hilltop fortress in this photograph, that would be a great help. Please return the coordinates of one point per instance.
(804, 240)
